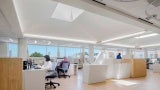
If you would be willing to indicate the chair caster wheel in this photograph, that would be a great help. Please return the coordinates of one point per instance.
(54, 87)
(58, 84)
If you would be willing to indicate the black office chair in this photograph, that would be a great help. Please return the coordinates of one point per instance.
(50, 77)
(62, 72)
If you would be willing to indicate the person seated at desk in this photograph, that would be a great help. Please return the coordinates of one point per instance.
(47, 64)
(59, 67)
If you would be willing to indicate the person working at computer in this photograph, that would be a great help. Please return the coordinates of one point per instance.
(60, 67)
(47, 64)
(119, 56)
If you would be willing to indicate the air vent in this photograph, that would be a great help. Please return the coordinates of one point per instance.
(145, 20)
(99, 2)
(155, 3)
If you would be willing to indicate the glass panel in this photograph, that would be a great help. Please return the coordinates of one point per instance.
(37, 48)
(52, 51)
(13, 50)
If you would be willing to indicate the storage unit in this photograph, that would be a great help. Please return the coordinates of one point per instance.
(10, 74)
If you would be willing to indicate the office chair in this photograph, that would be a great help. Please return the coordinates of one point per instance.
(62, 72)
(50, 77)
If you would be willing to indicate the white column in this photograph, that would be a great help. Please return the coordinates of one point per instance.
(58, 52)
(82, 55)
(22, 48)
(3, 49)
(91, 53)
(145, 53)
(129, 53)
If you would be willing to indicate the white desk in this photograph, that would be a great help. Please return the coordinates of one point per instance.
(93, 73)
(122, 70)
(34, 79)
(156, 68)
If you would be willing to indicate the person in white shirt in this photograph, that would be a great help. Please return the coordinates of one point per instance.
(47, 64)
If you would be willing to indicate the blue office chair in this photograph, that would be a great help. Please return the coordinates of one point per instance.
(62, 72)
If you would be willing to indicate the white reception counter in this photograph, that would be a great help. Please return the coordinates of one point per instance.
(93, 73)
(34, 79)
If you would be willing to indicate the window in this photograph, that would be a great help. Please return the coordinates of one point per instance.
(52, 51)
(138, 54)
(37, 48)
(13, 50)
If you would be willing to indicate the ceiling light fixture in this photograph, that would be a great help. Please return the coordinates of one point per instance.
(35, 41)
(119, 45)
(58, 38)
(11, 40)
(147, 35)
(66, 12)
(122, 37)
(150, 45)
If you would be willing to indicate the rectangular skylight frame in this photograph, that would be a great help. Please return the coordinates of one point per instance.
(66, 13)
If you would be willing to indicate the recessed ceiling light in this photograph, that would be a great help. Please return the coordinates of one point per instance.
(122, 37)
(147, 35)
(11, 40)
(35, 41)
(66, 12)
(58, 38)
(150, 45)
(119, 45)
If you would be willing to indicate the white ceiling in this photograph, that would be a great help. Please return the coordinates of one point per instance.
(88, 26)
(9, 25)
(97, 23)
(136, 8)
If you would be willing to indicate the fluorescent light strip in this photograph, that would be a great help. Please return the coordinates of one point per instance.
(58, 38)
(122, 37)
(150, 45)
(120, 45)
(147, 35)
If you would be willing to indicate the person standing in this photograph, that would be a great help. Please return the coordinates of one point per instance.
(119, 56)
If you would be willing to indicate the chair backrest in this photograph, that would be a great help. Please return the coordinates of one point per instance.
(65, 65)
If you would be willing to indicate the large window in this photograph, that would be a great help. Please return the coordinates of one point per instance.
(13, 50)
(151, 54)
(139, 54)
(52, 51)
(71, 51)
(37, 48)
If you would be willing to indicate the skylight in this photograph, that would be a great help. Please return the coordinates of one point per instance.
(66, 12)
(147, 35)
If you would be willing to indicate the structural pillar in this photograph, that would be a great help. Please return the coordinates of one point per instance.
(129, 53)
(58, 52)
(145, 53)
(91, 53)
(3, 49)
(22, 48)
(82, 58)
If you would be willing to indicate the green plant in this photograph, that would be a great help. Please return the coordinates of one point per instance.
(36, 54)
